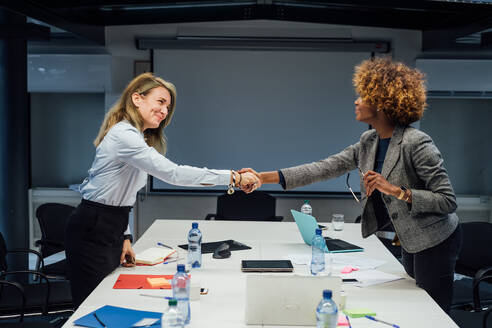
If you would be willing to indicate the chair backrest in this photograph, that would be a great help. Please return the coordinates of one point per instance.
(475, 251)
(52, 218)
(256, 206)
(3, 254)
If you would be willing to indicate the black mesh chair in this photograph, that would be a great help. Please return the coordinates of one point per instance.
(52, 218)
(475, 261)
(256, 206)
(486, 320)
(18, 298)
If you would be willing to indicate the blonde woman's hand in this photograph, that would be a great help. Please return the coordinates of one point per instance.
(127, 258)
(249, 182)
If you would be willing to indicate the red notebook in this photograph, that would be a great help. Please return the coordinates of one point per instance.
(139, 281)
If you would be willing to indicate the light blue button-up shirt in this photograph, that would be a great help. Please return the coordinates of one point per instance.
(123, 160)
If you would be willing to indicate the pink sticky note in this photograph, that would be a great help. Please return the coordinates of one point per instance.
(342, 320)
(349, 269)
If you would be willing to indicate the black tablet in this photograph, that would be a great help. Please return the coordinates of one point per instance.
(266, 266)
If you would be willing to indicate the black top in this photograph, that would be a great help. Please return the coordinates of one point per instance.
(379, 208)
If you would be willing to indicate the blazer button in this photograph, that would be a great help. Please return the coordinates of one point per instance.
(394, 216)
(388, 199)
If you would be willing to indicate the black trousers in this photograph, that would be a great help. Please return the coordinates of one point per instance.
(93, 245)
(433, 268)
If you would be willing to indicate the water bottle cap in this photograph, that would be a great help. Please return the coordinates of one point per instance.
(181, 268)
(194, 225)
(173, 302)
(306, 202)
(318, 232)
(327, 293)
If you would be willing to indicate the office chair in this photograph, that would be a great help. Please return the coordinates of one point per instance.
(475, 261)
(485, 318)
(52, 218)
(256, 206)
(20, 299)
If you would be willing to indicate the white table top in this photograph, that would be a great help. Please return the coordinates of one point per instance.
(400, 302)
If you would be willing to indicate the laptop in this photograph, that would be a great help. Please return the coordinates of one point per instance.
(307, 227)
(286, 300)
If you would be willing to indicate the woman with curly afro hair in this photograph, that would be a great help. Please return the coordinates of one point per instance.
(402, 176)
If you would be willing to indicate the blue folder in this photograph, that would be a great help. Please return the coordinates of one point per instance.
(113, 316)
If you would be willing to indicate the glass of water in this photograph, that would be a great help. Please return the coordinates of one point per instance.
(337, 220)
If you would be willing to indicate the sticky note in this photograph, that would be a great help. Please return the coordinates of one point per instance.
(158, 282)
(348, 269)
(342, 321)
(358, 313)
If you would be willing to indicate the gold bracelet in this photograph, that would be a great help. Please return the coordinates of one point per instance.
(408, 194)
(402, 193)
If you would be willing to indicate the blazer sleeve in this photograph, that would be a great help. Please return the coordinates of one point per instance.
(438, 195)
(331, 167)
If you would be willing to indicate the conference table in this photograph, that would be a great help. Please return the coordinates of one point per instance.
(400, 302)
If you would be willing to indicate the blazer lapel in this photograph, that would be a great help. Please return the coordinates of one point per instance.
(368, 157)
(393, 153)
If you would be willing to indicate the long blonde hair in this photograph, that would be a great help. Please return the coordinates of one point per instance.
(125, 109)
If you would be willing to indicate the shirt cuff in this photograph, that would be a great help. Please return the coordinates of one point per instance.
(281, 179)
(224, 177)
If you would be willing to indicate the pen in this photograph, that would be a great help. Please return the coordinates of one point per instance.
(348, 321)
(170, 261)
(164, 245)
(386, 323)
(165, 297)
(156, 296)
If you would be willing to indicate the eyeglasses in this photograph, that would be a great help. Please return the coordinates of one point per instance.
(348, 186)
(222, 252)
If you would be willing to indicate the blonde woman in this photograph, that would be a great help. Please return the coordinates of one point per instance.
(402, 176)
(130, 145)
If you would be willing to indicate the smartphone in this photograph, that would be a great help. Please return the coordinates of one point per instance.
(266, 266)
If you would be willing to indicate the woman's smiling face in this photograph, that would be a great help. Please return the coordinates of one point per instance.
(153, 107)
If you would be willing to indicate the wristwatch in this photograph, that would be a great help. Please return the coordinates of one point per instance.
(402, 193)
(129, 237)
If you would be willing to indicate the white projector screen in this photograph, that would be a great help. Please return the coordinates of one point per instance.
(261, 109)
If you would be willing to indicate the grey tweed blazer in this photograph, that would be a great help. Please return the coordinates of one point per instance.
(412, 161)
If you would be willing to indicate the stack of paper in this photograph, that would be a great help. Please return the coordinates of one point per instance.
(153, 255)
(360, 262)
(371, 277)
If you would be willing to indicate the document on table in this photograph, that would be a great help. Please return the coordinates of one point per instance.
(358, 261)
(370, 277)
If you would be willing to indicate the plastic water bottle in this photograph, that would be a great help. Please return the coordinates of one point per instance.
(195, 246)
(318, 260)
(172, 318)
(181, 292)
(306, 208)
(326, 312)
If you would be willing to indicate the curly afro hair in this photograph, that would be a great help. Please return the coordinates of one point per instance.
(396, 89)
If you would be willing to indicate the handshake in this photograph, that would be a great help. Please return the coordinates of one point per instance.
(247, 179)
